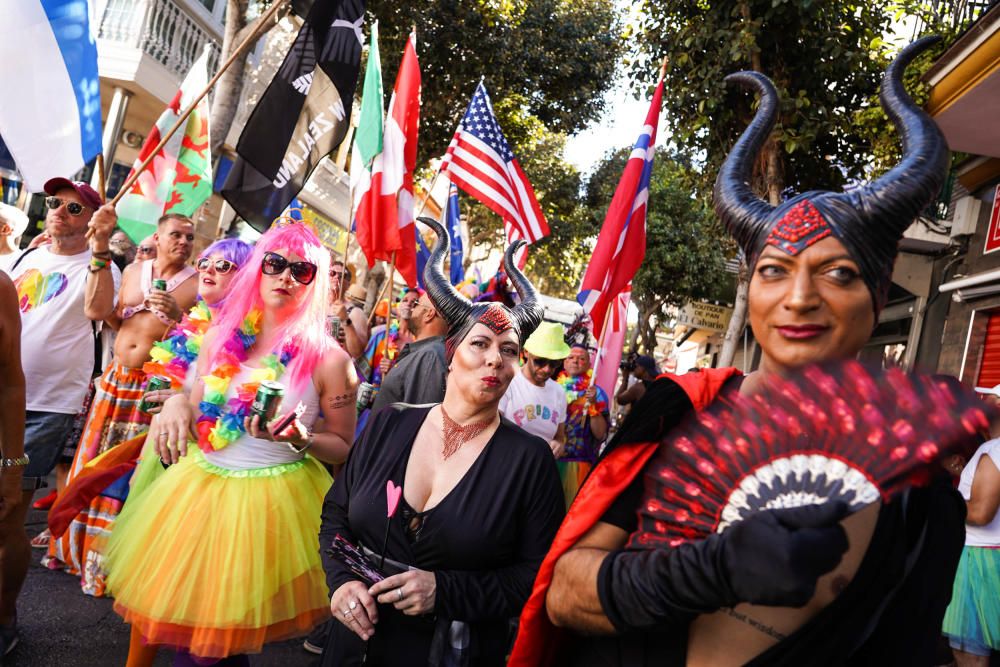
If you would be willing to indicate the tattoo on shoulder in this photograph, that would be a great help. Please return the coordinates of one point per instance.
(756, 625)
(342, 400)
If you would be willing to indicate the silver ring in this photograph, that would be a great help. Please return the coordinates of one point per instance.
(347, 613)
(400, 592)
(353, 605)
(163, 435)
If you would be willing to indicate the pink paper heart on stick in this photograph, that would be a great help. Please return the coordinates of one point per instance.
(392, 495)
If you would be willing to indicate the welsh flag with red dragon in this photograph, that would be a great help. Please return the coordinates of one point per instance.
(179, 179)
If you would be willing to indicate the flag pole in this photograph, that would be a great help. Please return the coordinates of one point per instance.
(386, 288)
(101, 183)
(237, 52)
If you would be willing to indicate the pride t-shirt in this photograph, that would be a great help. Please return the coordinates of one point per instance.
(538, 410)
(57, 340)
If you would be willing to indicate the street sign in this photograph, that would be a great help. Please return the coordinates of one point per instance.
(703, 315)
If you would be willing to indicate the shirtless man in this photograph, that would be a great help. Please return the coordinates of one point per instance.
(142, 317)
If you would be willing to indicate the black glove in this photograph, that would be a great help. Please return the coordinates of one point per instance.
(773, 557)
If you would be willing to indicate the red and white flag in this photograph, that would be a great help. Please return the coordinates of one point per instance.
(621, 245)
(385, 220)
(479, 160)
(608, 358)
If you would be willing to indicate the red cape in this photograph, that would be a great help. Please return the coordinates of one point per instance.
(538, 640)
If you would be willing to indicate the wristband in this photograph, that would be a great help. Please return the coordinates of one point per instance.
(299, 450)
(102, 254)
(18, 462)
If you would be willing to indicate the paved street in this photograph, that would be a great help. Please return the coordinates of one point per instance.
(61, 626)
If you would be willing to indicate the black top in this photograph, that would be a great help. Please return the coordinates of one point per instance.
(484, 540)
(418, 376)
(890, 613)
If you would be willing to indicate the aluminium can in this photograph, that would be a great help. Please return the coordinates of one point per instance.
(265, 403)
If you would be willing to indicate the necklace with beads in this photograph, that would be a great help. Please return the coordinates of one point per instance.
(456, 435)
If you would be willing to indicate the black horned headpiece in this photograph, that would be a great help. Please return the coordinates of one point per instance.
(869, 220)
(461, 314)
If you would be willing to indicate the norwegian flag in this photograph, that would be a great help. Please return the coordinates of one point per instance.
(621, 245)
(610, 354)
(479, 161)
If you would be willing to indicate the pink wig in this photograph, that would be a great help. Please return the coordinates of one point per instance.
(306, 328)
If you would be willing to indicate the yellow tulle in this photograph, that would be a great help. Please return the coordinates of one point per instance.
(221, 562)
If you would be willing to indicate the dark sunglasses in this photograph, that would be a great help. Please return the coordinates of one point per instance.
(145, 249)
(221, 265)
(72, 207)
(336, 274)
(542, 362)
(274, 264)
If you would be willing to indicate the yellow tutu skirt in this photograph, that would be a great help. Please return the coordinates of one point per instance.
(220, 562)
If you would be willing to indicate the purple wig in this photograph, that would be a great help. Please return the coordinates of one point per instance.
(234, 250)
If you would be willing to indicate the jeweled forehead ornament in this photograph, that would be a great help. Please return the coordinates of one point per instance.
(869, 220)
(461, 314)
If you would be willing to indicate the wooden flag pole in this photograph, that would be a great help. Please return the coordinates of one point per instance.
(237, 52)
(382, 292)
(600, 347)
(101, 183)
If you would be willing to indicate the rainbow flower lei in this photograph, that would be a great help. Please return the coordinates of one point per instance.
(575, 388)
(173, 357)
(221, 422)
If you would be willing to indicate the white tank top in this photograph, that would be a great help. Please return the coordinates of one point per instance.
(988, 535)
(248, 452)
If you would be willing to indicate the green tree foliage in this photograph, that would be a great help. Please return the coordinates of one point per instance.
(547, 65)
(685, 248)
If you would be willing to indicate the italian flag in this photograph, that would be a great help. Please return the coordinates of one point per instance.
(384, 219)
(179, 179)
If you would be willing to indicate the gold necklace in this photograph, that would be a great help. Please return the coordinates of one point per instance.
(456, 435)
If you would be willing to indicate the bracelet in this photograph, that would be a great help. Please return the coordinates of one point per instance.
(103, 254)
(18, 462)
(300, 450)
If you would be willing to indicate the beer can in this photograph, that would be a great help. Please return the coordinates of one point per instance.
(265, 403)
(334, 323)
(154, 383)
(366, 396)
(160, 284)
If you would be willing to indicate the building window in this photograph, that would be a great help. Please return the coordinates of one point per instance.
(209, 4)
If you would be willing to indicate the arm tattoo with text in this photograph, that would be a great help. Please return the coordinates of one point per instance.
(342, 400)
(756, 625)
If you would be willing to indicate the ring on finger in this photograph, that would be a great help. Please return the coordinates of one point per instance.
(353, 605)
(399, 592)
(347, 614)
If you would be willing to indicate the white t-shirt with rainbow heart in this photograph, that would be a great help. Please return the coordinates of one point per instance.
(57, 340)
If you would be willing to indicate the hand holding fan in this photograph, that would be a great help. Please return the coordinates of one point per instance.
(835, 432)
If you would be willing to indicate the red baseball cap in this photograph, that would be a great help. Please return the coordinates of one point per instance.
(87, 194)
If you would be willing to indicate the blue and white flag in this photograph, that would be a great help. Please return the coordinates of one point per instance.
(51, 115)
(454, 225)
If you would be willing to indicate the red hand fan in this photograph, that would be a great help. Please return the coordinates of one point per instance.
(834, 432)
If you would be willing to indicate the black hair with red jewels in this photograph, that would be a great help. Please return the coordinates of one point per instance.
(461, 314)
(870, 219)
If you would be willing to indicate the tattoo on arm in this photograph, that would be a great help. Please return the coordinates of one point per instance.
(756, 625)
(342, 400)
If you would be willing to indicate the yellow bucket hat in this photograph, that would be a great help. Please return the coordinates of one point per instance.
(547, 342)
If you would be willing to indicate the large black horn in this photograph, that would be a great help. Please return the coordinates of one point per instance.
(529, 312)
(454, 307)
(889, 204)
(744, 213)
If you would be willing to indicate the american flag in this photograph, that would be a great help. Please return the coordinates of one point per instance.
(479, 161)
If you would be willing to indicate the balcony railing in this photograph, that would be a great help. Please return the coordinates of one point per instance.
(161, 29)
(958, 14)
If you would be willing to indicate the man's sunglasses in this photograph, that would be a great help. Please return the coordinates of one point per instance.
(72, 207)
(274, 264)
(542, 362)
(221, 265)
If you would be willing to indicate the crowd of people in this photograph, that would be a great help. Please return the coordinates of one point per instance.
(458, 451)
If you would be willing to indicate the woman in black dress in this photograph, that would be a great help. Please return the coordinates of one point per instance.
(481, 501)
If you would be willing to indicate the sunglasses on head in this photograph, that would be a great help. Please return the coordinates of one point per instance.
(72, 207)
(221, 265)
(274, 264)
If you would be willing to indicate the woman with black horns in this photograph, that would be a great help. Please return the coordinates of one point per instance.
(797, 586)
(481, 501)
